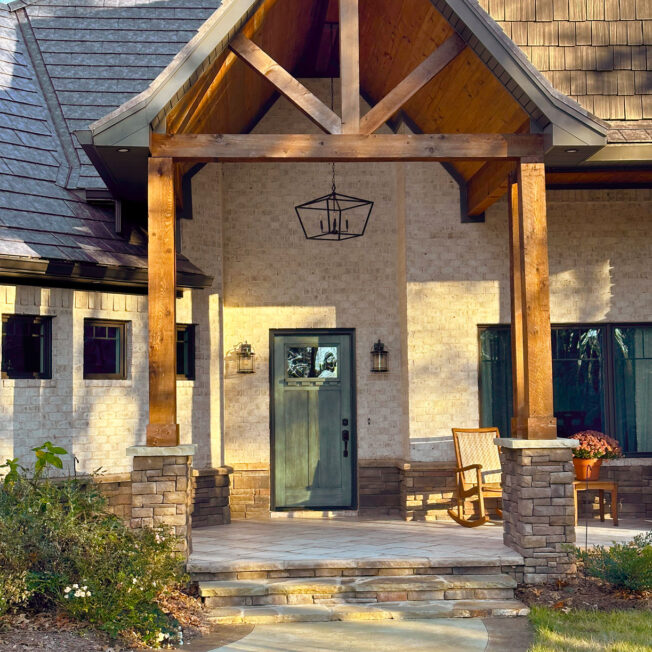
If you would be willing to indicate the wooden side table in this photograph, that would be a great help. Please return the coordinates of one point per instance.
(600, 486)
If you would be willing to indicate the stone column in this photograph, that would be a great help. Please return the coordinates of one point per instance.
(161, 489)
(538, 505)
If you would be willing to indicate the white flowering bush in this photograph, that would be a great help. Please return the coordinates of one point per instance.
(60, 548)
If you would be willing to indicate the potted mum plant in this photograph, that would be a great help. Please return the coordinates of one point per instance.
(594, 447)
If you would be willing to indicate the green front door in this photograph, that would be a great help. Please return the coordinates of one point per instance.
(313, 420)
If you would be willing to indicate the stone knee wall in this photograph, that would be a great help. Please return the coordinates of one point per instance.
(634, 478)
(539, 510)
(250, 491)
(210, 497)
(379, 488)
(160, 493)
(116, 488)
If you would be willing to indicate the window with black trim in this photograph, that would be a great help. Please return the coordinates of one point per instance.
(602, 380)
(104, 349)
(26, 346)
(186, 351)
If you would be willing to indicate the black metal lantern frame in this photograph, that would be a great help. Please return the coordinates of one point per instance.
(246, 356)
(379, 358)
(334, 216)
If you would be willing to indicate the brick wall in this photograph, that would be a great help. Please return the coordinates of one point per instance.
(379, 489)
(210, 497)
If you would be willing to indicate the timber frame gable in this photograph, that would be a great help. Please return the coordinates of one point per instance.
(460, 30)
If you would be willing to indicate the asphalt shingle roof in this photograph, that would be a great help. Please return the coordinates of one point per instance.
(96, 55)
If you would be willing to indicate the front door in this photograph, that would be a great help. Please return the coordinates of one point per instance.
(313, 419)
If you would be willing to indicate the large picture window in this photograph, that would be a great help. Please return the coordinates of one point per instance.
(104, 349)
(602, 380)
(26, 346)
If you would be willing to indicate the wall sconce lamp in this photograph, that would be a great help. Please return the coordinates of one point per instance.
(379, 358)
(245, 358)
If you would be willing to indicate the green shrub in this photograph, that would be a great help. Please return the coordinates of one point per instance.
(624, 565)
(60, 547)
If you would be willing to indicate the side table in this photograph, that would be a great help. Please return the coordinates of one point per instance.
(601, 486)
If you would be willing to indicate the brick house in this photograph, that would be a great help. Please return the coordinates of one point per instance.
(93, 89)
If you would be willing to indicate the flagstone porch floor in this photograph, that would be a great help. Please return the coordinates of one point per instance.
(303, 540)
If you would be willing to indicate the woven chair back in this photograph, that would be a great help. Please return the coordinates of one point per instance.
(476, 446)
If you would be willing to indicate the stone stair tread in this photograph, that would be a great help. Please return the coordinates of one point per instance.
(425, 609)
(335, 585)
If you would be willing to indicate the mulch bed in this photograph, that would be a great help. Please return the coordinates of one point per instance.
(56, 632)
(583, 593)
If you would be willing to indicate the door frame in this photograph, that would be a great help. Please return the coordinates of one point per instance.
(353, 449)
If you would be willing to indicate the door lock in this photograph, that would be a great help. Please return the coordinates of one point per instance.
(345, 439)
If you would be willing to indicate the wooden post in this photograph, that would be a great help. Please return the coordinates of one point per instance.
(518, 356)
(350, 66)
(532, 355)
(162, 429)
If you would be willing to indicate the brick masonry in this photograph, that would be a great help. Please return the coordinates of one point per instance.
(161, 495)
(539, 511)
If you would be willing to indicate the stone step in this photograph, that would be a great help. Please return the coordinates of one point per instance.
(201, 571)
(424, 609)
(342, 590)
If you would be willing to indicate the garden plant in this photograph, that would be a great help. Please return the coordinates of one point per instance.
(61, 549)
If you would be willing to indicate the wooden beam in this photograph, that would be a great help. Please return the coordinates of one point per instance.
(518, 355)
(162, 429)
(343, 147)
(350, 66)
(488, 185)
(286, 84)
(412, 84)
(537, 421)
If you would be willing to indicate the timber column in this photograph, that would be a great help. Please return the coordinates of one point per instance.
(537, 471)
(161, 478)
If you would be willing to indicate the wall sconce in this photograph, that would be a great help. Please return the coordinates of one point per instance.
(379, 357)
(245, 358)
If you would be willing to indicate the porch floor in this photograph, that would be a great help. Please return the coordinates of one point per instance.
(303, 540)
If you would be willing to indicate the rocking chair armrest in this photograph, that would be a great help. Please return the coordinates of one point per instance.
(470, 467)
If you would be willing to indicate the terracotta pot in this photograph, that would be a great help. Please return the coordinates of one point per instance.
(587, 469)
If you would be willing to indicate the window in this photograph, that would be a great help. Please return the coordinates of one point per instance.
(602, 380)
(104, 349)
(186, 351)
(26, 346)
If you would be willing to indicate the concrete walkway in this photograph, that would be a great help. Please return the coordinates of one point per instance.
(453, 635)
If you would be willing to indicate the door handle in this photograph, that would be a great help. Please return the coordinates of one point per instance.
(345, 439)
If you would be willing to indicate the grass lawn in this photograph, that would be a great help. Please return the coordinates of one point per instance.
(579, 631)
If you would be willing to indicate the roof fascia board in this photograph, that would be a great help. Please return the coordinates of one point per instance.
(129, 124)
(57, 273)
(622, 154)
(559, 109)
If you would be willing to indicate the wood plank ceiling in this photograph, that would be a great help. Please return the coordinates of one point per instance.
(395, 37)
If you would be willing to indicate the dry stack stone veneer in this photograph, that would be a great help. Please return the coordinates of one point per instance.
(538, 507)
(210, 497)
(161, 490)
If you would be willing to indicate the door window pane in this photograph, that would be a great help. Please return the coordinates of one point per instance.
(312, 362)
(578, 383)
(26, 346)
(632, 348)
(496, 379)
(104, 349)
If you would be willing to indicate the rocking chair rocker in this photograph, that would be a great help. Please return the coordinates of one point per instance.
(478, 472)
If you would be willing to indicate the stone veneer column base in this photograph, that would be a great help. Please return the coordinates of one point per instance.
(538, 505)
(161, 489)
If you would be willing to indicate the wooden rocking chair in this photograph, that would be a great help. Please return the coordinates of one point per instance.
(478, 472)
